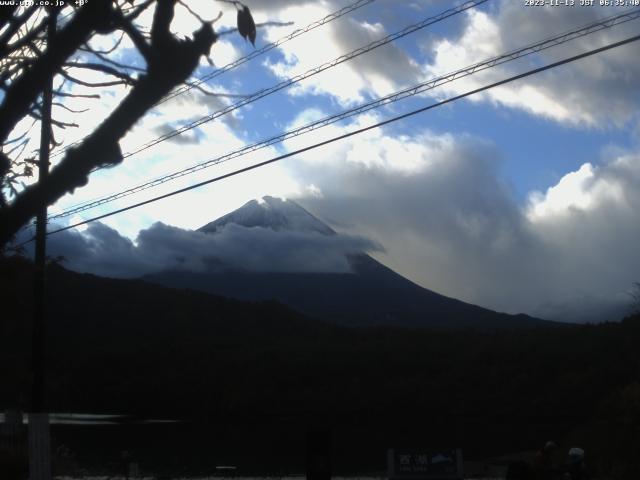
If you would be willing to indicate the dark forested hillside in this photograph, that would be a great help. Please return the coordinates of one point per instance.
(132, 347)
(372, 295)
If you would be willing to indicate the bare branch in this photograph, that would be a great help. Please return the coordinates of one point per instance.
(6, 14)
(110, 61)
(174, 61)
(68, 109)
(105, 52)
(136, 37)
(198, 17)
(161, 36)
(17, 139)
(34, 48)
(21, 94)
(138, 10)
(90, 84)
(35, 114)
(54, 142)
(58, 93)
(14, 25)
(104, 69)
(25, 40)
(21, 146)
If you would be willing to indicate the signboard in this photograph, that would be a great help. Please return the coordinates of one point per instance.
(445, 464)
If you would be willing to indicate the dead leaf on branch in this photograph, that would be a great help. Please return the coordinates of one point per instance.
(246, 25)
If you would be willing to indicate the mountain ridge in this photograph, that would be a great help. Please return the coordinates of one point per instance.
(371, 294)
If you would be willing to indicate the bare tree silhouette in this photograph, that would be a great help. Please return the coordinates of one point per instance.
(28, 62)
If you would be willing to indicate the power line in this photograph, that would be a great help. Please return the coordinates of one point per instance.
(354, 132)
(392, 98)
(240, 61)
(314, 71)
(296, 33)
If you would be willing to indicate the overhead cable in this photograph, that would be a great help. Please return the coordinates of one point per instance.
(392, 98)
(268, 47)
(310, 73)
(353, 133)
(242, 60)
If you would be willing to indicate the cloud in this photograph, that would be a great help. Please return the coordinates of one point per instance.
(205, 143)
(596, 92)
(376, 73)
(102, 250)
(438, 203)
(449, 222)
(446, 218)
(99, 249)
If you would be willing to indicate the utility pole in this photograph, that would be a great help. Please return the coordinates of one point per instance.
(39, 434)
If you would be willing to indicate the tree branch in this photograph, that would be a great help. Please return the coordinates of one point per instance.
(68, 109)
(14, 25)
(6, 14)
(75, 80)
(35, 114)
(99, 67)
(106, 59)
(173, 66)
(58, 93)
(126, 25)
(23, 92)
(87, 48)
(7, 49)
(138, 10)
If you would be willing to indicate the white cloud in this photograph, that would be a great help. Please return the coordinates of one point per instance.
(582, 190)
(571, 192)
(595, 92)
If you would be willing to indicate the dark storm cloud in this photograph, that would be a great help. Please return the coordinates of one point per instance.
(389, 61)
(187, 138)
(103, 251)
(604, 86)
(454, 227)
(598, 91)
(381, 70)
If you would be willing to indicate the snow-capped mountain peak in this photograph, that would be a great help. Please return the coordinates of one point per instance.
(273, 213)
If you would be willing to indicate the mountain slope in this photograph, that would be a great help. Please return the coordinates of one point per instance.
(369, 295)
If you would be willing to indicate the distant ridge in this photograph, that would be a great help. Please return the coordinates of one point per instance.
(370, 295)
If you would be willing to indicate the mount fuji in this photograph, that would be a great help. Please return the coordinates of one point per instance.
(358, 291)
(273, 213)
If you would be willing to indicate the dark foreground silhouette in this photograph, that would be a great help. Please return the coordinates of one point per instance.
(248, 379)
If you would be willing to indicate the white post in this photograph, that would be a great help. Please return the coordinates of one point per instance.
(39, 447)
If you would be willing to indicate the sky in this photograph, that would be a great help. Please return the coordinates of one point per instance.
(522, 198)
